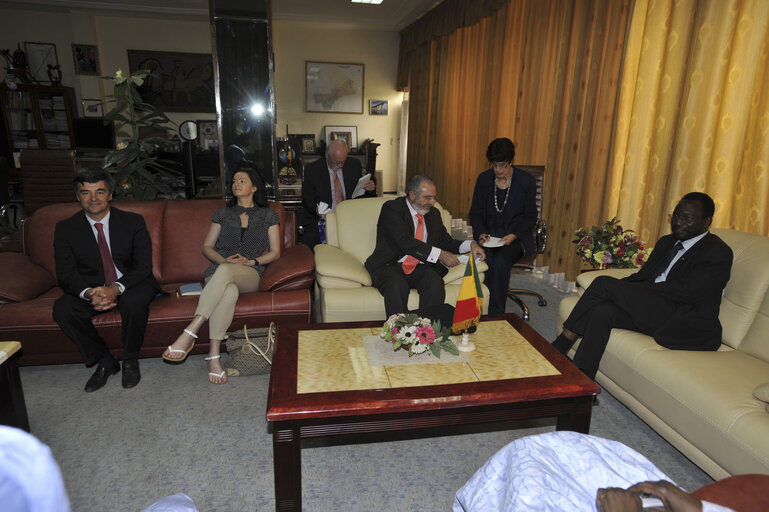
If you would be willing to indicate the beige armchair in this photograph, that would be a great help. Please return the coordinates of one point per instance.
(343, 290)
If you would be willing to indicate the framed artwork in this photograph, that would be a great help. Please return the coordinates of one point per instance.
(86, 57)
(377, 107)
(349, 134)
(92, 108)
(334, 87)
(39, 57)
(180, 82)
(208, 136)
(305, 141)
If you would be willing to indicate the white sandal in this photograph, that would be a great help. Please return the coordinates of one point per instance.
(217, 375)
(180, 351)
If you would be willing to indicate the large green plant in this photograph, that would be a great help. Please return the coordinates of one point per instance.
(139, 171)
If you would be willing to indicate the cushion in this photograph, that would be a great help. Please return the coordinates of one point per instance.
(762, 392)
(21, 279)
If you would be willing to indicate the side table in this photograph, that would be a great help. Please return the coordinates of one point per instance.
(13, 410)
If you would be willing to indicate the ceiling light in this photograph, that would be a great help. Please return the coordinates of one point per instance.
(376, 2)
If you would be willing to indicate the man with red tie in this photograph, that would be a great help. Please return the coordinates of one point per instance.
(103, 261)
(413, 249)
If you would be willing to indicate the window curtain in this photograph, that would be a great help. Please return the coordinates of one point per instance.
(544, 73)
(693, 114)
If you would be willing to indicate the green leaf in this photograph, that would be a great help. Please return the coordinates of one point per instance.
(436, 350)
(449, 347)
(396, 345)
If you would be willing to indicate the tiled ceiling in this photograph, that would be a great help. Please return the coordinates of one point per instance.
(390, 15)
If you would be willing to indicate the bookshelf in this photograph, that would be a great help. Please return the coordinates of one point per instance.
(36, 117)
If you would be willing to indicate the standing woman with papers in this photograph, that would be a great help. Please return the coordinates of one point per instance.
(503, 214)
(243, 237)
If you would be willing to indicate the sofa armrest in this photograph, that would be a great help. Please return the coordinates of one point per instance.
(295, 263)
(585, 278)
(20, 279)
(332, 261)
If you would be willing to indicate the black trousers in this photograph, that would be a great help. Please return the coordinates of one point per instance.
(500, 261)
(394, 285)
(607, 304)
(74, 314)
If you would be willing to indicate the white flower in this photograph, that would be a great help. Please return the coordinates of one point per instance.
(119, 78)
(408, 335)
(418, 348)
(122, 145)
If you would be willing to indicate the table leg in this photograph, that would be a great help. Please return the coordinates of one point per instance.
(13, 409)
(579, 419)
(287, 463)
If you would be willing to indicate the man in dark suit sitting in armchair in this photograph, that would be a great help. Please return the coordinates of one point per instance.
(103, 260)
(330, 180)
(675, 297)
(411, 241)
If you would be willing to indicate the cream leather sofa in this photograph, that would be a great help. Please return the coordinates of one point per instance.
(343, 290)
(704, 403)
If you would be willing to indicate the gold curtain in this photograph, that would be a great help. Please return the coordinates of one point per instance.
(541, 72)
(693, 114)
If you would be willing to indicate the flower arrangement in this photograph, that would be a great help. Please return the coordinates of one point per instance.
(139, 172)
(610, 245)
(417, 334)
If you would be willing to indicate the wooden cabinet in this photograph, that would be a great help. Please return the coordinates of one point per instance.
(36, 117)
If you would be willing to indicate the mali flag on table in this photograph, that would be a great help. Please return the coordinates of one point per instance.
(467, 312)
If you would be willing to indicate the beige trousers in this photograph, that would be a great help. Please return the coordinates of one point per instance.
(217, 301)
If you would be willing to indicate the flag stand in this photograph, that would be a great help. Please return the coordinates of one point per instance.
(466, 345)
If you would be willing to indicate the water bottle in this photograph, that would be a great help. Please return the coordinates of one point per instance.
(322, 230)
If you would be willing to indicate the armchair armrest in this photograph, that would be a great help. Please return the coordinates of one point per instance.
(585, 278)
(20, 279)
(458, 272)
(295, 264)
(332, 261)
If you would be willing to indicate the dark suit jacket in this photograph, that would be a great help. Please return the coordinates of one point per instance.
(316, 187)
(519, 214)
(695, 285)
(395, 236)
(76, 252)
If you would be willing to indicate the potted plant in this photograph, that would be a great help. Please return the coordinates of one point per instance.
(139, 171)
(610, 245)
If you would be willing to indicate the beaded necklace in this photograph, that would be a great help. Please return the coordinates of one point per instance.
(507, 194)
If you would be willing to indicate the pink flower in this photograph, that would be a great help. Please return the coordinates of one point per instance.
(426, 335)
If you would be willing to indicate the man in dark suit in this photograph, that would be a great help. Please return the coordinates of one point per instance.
(675, 297)
(330, 180)
(103, 260)
(411, 240)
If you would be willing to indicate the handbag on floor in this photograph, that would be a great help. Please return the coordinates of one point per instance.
(249, 351)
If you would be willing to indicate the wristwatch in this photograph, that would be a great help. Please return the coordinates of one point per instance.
(120, 287)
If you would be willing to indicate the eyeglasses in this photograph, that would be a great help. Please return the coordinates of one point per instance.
(500, 165)
(336, 163)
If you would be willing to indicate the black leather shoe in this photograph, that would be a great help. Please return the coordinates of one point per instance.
(100, 376)
(131, 374)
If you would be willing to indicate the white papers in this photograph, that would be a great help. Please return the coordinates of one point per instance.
(464, 258)
(323, 208)
(359, 190)
(191, 289)
(493, 241)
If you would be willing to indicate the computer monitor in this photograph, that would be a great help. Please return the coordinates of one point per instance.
(94, 134)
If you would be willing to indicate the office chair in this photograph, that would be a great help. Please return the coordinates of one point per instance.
(540, 241)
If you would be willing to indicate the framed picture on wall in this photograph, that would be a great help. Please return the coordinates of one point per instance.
(208, 136)
(39, 57)
(349, 134)
(86, 57)
(92, 108)
(334, 87)
(377, 107)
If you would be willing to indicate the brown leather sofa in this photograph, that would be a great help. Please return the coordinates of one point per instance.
(28, 285)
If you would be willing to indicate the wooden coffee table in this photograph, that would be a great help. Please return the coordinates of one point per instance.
(322, 385)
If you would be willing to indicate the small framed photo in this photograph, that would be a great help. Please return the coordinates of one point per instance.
(86, 57)
(39, 57)
(308, 145)
(304, 142)
(208, 135)
(349, 134)
(92, 108)
(377, 107)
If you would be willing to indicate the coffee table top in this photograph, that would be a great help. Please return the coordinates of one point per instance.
(321, 370)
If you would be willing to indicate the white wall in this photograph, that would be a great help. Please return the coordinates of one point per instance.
(293, 44)
(296, 42)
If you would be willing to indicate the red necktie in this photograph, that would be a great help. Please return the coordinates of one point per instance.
(110, 275)
(410, 263)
